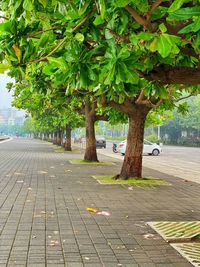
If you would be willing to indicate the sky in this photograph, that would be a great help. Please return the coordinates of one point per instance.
(5, 97)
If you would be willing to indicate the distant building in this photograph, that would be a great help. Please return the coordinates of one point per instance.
(11, 116)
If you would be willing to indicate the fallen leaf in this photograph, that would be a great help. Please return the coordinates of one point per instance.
(20, 181)
(91, 209)
(87, 258)
(130, 188)
(68, 171)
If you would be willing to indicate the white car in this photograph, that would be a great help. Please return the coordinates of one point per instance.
(148, 148)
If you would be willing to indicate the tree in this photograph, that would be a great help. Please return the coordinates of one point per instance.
(134, 55)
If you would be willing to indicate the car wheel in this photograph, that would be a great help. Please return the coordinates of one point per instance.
(155, 152)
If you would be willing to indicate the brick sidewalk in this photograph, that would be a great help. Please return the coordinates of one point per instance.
(44, 221)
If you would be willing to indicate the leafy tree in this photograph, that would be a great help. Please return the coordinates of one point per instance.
(184, 122)
(133, 55)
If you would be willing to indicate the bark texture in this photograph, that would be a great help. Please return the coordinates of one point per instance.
(90, 150)
(68, 144)
(174, 75)
(55, 138)
(59, 137)
(132, 165)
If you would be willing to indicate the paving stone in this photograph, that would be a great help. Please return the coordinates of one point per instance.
(44, 221)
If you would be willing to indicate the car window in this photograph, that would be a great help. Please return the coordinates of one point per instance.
(147, 143)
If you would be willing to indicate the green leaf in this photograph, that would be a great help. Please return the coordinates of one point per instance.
(102, 8)
(98, 21)
(28, 5)
(197, 40)
(43, 2)
(58, 62)
(84, 81)
(164, 46)
(185, 13)
(123, 53)
(83, 7)
(187, 29)
(167, 44)
(79, 37)
(122, 3)
(176, 5)
(193, 27)
(3, 68)
(6, 27)
(154, 45)
(141, 5)
(43, 40)
(196, 25)
(146, 36)
(110, 76)
(162, 28)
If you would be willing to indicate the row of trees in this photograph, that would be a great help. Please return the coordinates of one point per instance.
(103, 60)
(183, 130)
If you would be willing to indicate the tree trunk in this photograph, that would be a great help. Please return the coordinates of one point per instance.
(68, 144)
(54, 138)
(132, 165)
(90, 150)
(58, 138)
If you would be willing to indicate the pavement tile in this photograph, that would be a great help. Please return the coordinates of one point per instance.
(44, 221)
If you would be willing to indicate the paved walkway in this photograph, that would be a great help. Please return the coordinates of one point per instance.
(44, 221)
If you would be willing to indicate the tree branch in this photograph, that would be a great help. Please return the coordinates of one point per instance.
(142, 100)
(137, 17)
(167, 74)
(140, 97)
(42, 31)
(152, 8)
(126, 107)
(84, 20)
(119, 38)
(185, 97)
(64, 39)
(101, 118)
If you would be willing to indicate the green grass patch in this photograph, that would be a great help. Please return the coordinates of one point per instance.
(108, 179)
(79, 161)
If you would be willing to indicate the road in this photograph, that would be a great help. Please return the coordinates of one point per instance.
(183, 162)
